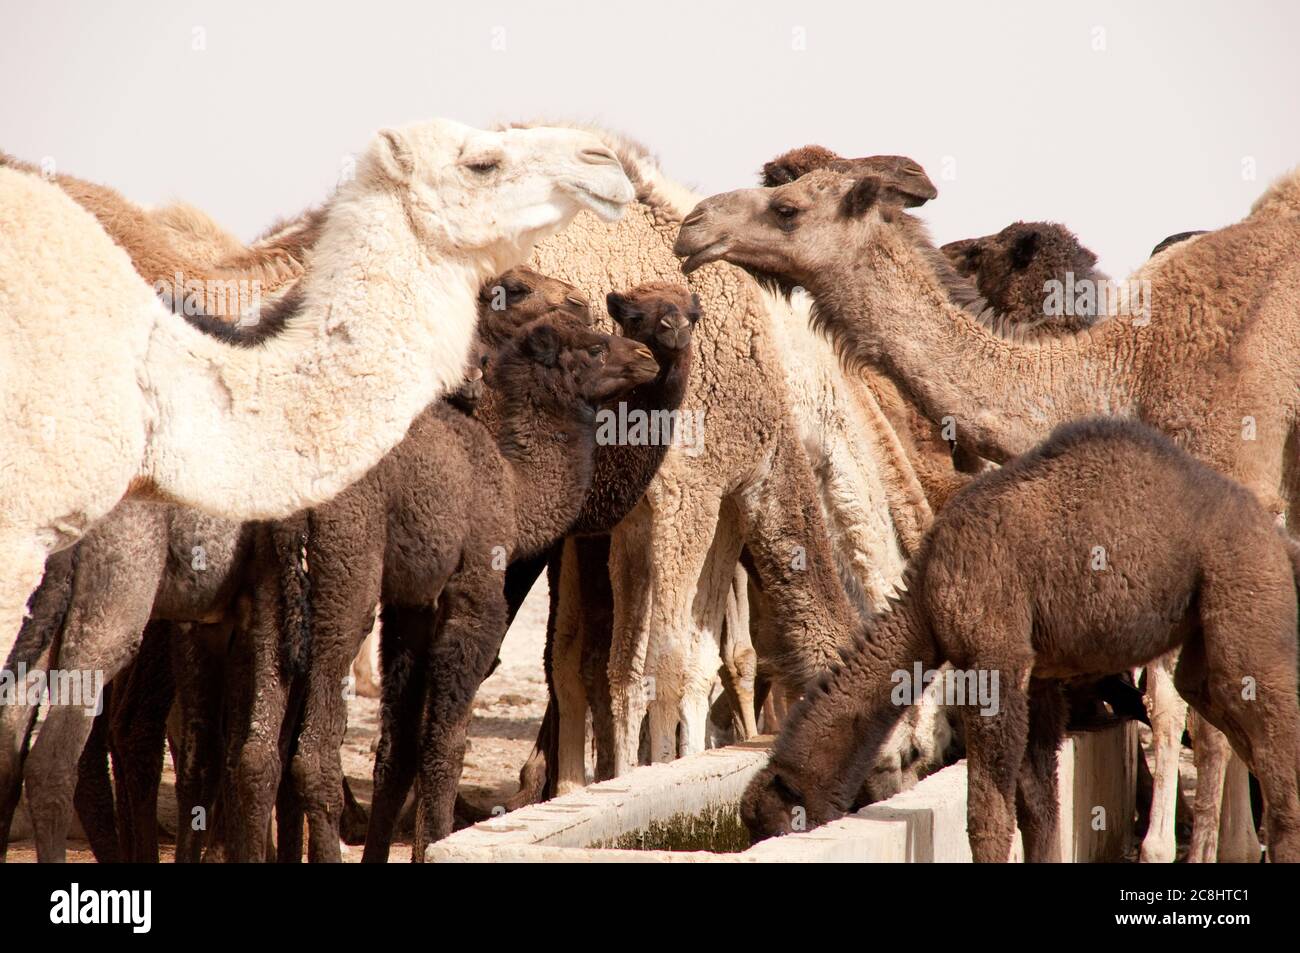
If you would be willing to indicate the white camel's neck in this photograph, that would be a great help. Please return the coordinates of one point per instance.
(261, 432)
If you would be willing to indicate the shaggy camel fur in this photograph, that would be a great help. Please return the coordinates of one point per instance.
(1231, 398)
(138, 401)
(176, 245)
(672, 560)
(1012, 268)
(518, 492)
(401, 535)
(662, 317)
(929, 454)
(142, 562)
(1009, 587)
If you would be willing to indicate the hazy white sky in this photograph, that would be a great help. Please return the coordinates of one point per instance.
(1126, 121)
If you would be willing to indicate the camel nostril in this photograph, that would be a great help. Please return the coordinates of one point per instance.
(599, 155)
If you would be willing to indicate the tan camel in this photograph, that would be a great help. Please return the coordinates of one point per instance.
(1230, 397)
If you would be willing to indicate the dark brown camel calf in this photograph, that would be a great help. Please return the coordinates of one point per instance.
(1097, 551)
(436, 523)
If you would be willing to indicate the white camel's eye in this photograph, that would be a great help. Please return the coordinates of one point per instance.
(484, 166)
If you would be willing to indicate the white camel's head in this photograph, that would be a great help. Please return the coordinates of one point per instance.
(497, 192)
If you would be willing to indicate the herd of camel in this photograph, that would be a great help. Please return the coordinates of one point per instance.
(903, 457)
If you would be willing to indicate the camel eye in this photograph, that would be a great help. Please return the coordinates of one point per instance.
(596, 350)
(484, 166)
(786, 212)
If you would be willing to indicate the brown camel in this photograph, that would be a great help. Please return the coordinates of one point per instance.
(661, 316)
(1231, 396)
(197, 266)
(1013, 268)
(391, 536)
(1100, 550)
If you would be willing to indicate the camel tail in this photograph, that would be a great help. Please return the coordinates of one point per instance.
(289, 546)
(47, 609)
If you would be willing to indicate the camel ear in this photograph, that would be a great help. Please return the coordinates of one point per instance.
(909, 185)
(693, 315)
(543, 345)
(617, 306)
(864, 194)
(395, 155)
(1024, 250)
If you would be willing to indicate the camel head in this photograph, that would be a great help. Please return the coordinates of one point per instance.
(563, 366)
(793, 232)
(520, 296)
(902, 175)
(772, 805)
(1010, 267)
(658, 314)
(494, 192)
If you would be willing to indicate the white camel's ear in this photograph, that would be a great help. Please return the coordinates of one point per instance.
(396, 157)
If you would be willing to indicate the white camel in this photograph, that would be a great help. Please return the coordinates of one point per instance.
(109, 394)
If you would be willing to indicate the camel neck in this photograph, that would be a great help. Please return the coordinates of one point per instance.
(847, 718)
(623, 469)
(1003, 392)
(550, 461)
(384, 327)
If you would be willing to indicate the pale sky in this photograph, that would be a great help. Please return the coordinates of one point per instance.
(1125, 121)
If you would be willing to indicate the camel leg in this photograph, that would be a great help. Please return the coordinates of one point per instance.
(1238, 839)
(1036, 795)
(345, 590)
(631, 568)
(1243, 642)
(197, 666)
(51, 772)
(596, 621)
(137, 738)
(739, 660)
(258, 702)
(460, 658)
(1168, 713)
(1212, 752)
(19, 578)
(995, 751)
(566, 672)
(93, 796)
(403, 656)
(22, 565)
(37, 643)
(102, 634)
(686, 670)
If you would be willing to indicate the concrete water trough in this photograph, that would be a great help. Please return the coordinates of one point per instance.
(686, 812)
